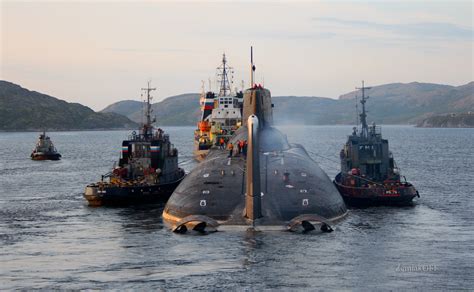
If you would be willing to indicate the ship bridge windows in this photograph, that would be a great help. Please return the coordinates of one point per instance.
(226, 100)
(140, 150)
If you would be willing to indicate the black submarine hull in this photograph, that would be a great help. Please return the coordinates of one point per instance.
(129, 195)
(292, 184)
(401, 194)
(272, 185)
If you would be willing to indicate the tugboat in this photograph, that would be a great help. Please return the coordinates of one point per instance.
(44, 149)
(147, 172)
(369, 175)
(221, 114)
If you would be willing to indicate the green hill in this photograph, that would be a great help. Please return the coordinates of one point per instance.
(22, 109)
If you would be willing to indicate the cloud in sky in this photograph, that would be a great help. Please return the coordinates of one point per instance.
(424, 30)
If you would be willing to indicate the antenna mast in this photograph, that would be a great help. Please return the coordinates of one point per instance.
(252, 68)
(357, 109)
(147, 127)
(363, 115)
(224, 78)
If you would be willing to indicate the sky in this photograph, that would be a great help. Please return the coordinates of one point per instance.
(99, 52)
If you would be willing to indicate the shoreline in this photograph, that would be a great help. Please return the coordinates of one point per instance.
(184, 126)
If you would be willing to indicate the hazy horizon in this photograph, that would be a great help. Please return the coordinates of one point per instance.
(97, 53)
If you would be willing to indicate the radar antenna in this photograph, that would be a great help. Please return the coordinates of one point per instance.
(363, 115)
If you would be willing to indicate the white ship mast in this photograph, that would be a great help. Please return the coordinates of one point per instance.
(225, 82)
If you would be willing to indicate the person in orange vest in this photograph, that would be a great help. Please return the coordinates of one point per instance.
(230, 147)
(238, 147)
(241, 146)
(221, 143)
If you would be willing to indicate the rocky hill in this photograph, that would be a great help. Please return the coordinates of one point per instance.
(22, 109)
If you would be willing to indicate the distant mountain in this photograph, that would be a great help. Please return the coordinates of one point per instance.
(179, 110)
(409, 103)
(22, 109)
(463, 120)
(396, 103)
(124, 107)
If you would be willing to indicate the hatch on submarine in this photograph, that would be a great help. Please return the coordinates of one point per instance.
(274, 185)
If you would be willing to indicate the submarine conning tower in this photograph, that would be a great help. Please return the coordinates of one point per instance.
(258, 102)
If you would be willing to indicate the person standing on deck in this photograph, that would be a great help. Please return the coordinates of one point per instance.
(221, 143)
(239, 146)
(230, 147)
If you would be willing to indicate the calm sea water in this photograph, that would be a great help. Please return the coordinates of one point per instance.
(51, 239)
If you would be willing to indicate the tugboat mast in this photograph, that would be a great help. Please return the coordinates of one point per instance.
(363, 115)
(147, 127)
(224, 78)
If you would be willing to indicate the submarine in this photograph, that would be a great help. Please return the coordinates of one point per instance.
(270, 185)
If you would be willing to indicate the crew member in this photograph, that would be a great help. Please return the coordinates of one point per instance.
(239, 146)
(230, 147)
(221, 143)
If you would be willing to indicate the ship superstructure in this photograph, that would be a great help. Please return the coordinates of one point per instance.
(221, 113)
(147, 171)
(369, 174)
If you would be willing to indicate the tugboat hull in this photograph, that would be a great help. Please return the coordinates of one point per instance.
(381, 195)
(97, 195)
(54, 156)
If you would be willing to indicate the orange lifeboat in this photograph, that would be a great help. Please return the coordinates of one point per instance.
(204, 126)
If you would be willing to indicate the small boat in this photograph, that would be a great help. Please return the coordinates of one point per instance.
(221, 114)
(369, 175)
(44, 149)
(147, 172)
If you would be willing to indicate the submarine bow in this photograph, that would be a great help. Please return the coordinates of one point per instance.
(276, 184)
